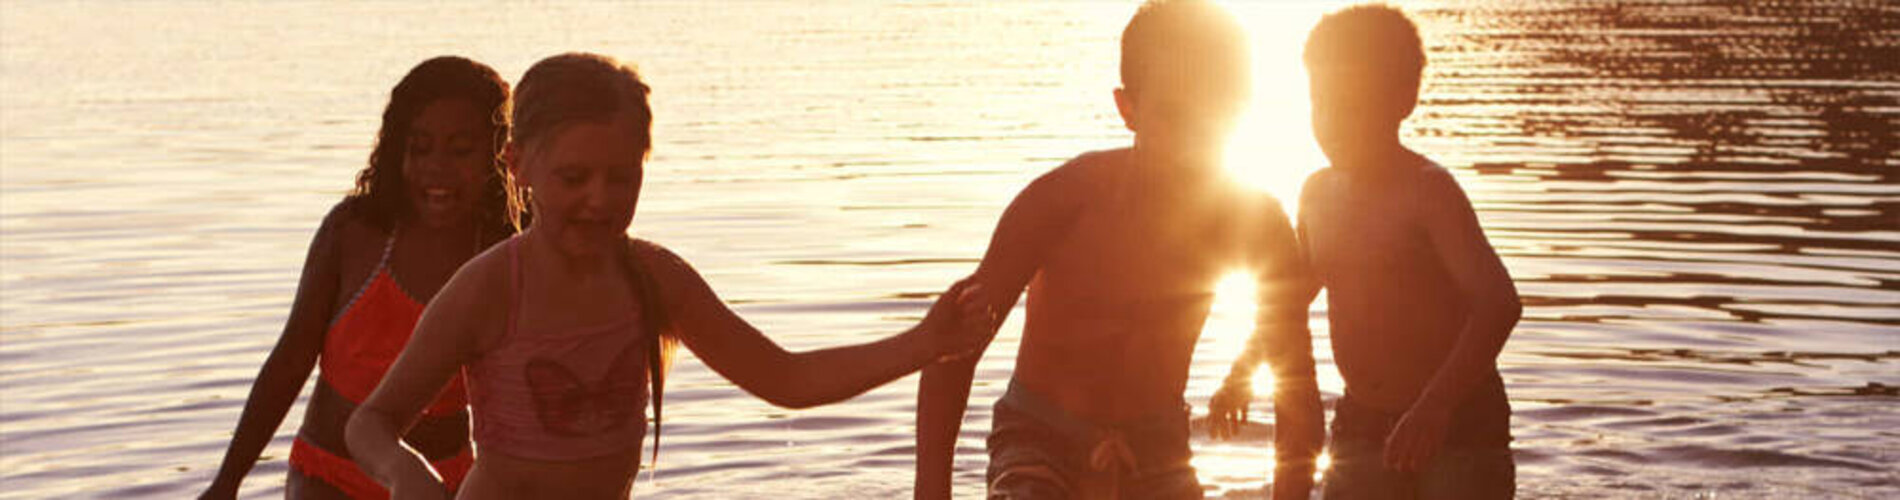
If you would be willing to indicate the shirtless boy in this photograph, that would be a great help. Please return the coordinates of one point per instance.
(1119, 251)
(1418, 301)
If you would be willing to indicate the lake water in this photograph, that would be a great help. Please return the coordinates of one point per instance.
(1700, 202)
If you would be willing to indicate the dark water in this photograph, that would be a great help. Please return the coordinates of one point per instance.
(1700, 203)
(1698, 200)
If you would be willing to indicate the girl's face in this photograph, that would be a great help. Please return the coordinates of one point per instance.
(449, 155)
(586, 180)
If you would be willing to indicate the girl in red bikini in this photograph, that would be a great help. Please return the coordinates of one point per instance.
(432, 197)
(563, 331)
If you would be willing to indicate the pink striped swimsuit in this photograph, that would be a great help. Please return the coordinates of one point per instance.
(560, 395)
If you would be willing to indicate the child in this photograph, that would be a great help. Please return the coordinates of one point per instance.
(560, 329)
(1418, 301)
(431, 198)
(1119, 251)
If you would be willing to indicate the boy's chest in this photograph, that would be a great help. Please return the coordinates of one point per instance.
(1353, 233)
(1124, 253)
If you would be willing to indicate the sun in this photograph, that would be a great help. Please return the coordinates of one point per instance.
(1272, 149)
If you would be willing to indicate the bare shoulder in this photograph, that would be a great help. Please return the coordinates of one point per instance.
(1439, 190)
(1317, 189)
(346, 223)
(1082, 176)
(658, 259)
(481, 282)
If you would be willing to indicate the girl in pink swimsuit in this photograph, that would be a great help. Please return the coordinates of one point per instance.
(565, 330)
(431, 198)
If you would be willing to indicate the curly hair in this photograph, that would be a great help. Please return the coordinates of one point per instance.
(379, 192)
(1373, 36)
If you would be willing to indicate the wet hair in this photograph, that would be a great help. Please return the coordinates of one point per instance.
(1374, 37)
(579, 87)
(1196, 32)
(379, 195)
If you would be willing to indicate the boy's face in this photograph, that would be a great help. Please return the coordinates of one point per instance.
(1183, 115)
(1355, 108)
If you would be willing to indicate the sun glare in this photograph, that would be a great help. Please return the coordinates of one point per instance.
(1272, 149)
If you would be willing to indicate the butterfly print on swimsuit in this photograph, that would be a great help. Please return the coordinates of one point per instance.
(569, 406)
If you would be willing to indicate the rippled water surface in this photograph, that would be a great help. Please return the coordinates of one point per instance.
(1700, 202)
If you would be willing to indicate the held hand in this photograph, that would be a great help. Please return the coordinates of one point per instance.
(1227, 410)
(434, 491)
(419, 485)
(1416, 438)
(979, 308)
(962, 328)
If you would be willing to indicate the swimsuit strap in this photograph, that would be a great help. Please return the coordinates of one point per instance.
(389, 247)
(382, 264)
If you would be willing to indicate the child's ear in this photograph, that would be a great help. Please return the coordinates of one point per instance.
(1125, 103)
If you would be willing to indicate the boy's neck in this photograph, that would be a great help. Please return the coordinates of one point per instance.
(1375, 156)
(1174, 170)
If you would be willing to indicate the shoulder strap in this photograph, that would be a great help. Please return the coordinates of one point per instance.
(389, 246)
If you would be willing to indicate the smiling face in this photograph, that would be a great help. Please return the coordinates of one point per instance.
(447, 159)
(585, 182)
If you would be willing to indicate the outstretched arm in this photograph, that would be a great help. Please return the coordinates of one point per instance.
(445, 338)
(1028, 228)
(290, 362)
(1281, 339)
(740, 353)
(1459, 242)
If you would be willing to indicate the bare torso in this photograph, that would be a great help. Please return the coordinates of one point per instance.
(1118, 304)
(420, 262)
(1395, 311)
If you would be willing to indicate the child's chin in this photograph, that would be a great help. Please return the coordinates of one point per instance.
(438, 217)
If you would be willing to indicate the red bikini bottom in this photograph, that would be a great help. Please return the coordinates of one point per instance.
(343, 473)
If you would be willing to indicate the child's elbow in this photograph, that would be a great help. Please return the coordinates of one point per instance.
(359, 428)
(790, 390)
(1510, 309)
(793, 399)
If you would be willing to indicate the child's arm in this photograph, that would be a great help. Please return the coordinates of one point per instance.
(740, 353)
(1285, 289)
(1028, 227)
(1459, 242)
(290, 362)
(445, 338)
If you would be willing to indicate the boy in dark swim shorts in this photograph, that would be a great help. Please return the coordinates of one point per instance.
(1419, 303)
(1119, 251)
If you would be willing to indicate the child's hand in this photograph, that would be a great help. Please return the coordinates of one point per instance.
(978, 308)
(1416, 438)
(962, 322)
(1227, 410)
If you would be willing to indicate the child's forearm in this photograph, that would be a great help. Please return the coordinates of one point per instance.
(1300, 430)
(375, 442)
(276, 389)
(835, 374)
(942, 396)
(1473, 356)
